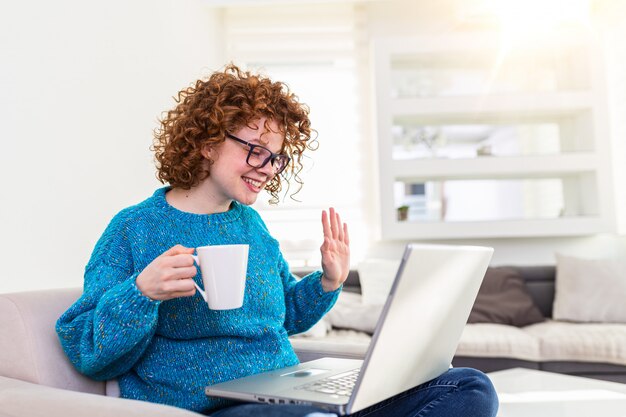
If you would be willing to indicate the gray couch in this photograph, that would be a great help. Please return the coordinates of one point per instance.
(550, 346)
(540, 282)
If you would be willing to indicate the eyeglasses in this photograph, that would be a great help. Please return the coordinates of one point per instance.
(259, 156)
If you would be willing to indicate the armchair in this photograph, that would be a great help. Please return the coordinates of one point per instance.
(37, 379)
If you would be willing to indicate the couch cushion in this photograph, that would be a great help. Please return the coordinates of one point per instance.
(585, 342)
(539, 280)
(478, 340)
(29, 346)
(377, 276)
(337, 343)
(498, 341)
(503, 298)
(350, 312)
(590, 290)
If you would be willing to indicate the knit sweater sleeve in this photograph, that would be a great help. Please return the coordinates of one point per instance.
(109, 327)
(306, 302)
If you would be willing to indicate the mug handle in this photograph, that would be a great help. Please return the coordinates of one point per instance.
(202, 293)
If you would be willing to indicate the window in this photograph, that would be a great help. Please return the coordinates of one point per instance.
(317, 50)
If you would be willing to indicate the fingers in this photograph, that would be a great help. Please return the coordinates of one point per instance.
(339, 227)
(177, 288)
(182, 273)
(170, 275)
(180, 286)
(325, 245)
(180, 260)
(333, 227)
(326, 224)
(178, 249)
(329, 223)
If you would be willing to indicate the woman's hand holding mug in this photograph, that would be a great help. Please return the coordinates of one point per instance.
(169, 276)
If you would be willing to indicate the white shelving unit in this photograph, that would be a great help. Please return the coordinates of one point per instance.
(485, 142)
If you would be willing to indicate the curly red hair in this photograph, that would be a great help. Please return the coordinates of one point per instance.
(227, 101)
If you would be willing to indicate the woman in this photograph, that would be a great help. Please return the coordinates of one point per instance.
(140, 320)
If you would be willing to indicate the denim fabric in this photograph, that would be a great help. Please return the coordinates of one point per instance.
(462, 392)
(266, 410)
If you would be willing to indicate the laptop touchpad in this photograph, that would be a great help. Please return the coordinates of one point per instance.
(305, 372)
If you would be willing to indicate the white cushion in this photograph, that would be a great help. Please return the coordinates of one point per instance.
(547, 341)
(498, 341)
(585, 342)
(590, 290)
(336, 343)
(351, 313)
(348, 313)
(376, 277)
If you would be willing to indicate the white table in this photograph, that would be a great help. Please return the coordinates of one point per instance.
(531, 393)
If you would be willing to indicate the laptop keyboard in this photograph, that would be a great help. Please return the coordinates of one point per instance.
(340, 384)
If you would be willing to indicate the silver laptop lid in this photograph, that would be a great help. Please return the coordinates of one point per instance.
(422, 320)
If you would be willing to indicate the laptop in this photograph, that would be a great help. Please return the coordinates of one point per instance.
(414, 341)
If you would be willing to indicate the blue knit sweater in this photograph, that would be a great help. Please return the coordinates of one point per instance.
(167, 352)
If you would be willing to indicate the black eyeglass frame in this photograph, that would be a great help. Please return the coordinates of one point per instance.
(271, 158)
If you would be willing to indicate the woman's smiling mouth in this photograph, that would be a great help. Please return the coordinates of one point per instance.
(254, 183)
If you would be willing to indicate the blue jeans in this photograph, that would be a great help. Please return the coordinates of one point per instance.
(458, 392)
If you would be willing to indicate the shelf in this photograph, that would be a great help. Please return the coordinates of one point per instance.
(569, 226)
(470, 43)
(492, 167)
(538, 111)
(471, 108)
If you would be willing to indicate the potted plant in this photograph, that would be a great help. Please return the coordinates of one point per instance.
(403, 213)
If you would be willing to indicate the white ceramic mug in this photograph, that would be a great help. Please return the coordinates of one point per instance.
(223, 269)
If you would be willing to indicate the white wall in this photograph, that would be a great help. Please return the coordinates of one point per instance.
(82, 84)
(611, 13)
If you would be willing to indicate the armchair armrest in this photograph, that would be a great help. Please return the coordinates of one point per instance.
(19, 398)
(29, 346)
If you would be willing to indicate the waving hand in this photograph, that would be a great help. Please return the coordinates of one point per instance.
(335, 251)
